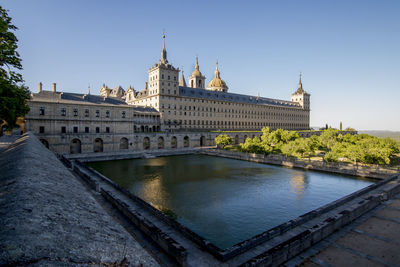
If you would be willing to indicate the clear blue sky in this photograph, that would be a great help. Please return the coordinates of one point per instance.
(348, 51)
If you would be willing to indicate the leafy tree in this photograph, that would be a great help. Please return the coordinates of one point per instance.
(254, 146)
(13, 93)
(328, 138)
(223, 140)
(350, 129)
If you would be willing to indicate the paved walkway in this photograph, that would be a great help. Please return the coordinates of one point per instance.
(372, 240)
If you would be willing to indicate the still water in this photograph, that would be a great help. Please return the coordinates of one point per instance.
(225, 200)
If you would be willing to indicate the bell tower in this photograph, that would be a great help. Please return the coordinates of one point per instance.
(301, 96)
(197, 80)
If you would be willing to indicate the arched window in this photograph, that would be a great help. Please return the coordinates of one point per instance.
(160, 142)
(75, 146)
(123, 143)
(98, 145)
(186, 141)
(146, 143)
(174, 142)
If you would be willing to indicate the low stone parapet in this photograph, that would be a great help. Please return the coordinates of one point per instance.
(375, 172)
(48, 218)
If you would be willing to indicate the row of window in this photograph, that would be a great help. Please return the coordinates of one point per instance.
(75, 129)
(230, 123)
(265, 113)
(107, 113)
(227, 103)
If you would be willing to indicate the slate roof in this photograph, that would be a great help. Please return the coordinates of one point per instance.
(237, 98)
(73, 98)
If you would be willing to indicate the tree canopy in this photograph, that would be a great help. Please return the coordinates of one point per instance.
(330, 144)
(13, 93)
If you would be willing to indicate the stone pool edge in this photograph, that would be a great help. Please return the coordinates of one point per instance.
(290, 247)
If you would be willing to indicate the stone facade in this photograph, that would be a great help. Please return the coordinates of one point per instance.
(196, 107)
(118, 119)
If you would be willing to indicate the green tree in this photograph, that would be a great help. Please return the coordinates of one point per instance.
(13, 93)
(223, 140)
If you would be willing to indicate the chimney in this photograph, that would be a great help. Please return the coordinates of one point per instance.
(54, 87)
(40, 87)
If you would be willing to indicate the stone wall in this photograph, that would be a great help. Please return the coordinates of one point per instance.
(49, 218)
(375, 172)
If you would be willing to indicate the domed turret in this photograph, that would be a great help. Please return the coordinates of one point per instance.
(217, 84)
(197, 80)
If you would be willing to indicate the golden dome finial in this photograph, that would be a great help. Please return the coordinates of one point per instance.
(196, 71)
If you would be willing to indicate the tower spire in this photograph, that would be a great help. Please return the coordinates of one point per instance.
(182, 81)
(197, 63)
(300, 86)
(163, 51)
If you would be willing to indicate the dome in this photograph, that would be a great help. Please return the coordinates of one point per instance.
(217, 84)
(196, 72)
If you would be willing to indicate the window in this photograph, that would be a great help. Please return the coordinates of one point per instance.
(107, 129)
(107, 114)
(63, 112)
(86, 129)
(123, 114)
(41, 129)
(63, 129)
(41, 111)
(86, 113)
(169, 77)
(75, 129)
(75, 112)
(97, 113)
(162, 76)
(97, 129)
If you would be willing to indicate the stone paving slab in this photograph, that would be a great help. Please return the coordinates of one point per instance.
(48, 218)
(372, 240)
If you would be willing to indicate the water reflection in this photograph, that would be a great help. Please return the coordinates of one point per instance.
(224, 200)
(298, 183)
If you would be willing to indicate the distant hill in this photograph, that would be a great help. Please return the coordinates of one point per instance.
(384, 134)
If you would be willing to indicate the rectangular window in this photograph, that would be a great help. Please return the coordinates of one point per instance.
(75, 112)
(97, 113)
(107, 129)
(41, 111)
(41, 129)
(123, 114)
(86, 129)
(107, 114)
(86, 113)
(75, 129)
(63, 112)
(97, 129)
(63, 129)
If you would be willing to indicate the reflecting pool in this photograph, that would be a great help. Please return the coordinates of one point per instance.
(224, 200)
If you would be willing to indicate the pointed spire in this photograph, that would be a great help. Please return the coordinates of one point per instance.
(182, 81)
(163, 51)
(300, 84)
(197, 63)
(300, 89)
(216, 73)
